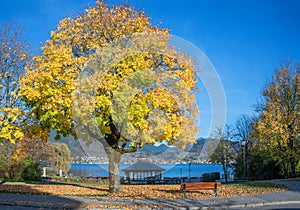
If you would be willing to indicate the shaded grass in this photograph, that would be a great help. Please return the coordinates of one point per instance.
(259, 184)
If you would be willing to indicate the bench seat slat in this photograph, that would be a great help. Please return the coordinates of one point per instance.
(200, 186)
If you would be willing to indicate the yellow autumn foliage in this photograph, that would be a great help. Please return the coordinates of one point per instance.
(89, 77)
(277, 127)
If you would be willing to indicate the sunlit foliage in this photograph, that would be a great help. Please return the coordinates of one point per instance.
(278, 127)
(90, 64)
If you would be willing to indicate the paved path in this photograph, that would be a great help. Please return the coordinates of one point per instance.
(20, 201)
(294, 184)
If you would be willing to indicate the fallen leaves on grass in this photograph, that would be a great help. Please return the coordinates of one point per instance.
(135, 191)
(53, 189)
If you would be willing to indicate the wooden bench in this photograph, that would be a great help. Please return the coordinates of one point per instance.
(200, 186)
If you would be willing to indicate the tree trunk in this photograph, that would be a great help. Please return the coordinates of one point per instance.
(292, 159)
(247, 165)
(114, 169)
(293, 168)
(225, 173)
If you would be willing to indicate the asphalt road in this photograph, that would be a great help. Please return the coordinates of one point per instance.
(276, 207)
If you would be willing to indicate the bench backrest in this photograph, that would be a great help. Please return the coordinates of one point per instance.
(200, 185)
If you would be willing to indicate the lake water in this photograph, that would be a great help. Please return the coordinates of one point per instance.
(172, 170)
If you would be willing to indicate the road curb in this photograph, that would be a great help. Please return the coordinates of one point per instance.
(43, 206)
(247, 205)
(204, 207)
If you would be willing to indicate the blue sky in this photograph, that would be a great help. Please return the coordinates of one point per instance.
(244, 39)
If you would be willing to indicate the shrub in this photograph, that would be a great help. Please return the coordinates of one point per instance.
(210, 177)
(27, 169)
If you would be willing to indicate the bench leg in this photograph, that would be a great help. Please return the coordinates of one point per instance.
(184, 190)
(216, 189)
(216, 192)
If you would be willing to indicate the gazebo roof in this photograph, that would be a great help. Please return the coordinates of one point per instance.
(142, 166)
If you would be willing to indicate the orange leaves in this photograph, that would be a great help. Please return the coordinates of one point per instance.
(17, 155)
(135, 191)
(109, 65)
(50, 189)
(49, 87)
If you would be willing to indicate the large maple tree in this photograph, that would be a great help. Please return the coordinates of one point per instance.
(108, 75)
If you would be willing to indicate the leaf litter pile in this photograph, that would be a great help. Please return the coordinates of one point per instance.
(139, 191)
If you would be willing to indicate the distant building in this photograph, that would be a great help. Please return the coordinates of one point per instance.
(142, 171)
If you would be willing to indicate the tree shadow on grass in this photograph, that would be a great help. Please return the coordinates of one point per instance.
(38, 201)
(175, 191)
(26, 195)
(83, 186)
(190, 193)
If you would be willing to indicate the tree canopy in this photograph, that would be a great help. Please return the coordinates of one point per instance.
(108, 75)
(277, 127)
(14, 58)
(62, 158)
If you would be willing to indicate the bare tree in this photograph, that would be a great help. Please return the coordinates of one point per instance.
(224, 153)
(14, 57)
(243, 129)
(62, 158)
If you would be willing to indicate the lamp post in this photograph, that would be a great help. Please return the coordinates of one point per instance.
(190, 171)
(180, 175)
(244, 157)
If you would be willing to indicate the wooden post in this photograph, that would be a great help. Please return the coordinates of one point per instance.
(216, 189)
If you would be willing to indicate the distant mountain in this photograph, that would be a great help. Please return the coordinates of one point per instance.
(162, 153)
(197, 147)
(74, 145)
(155, 150)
